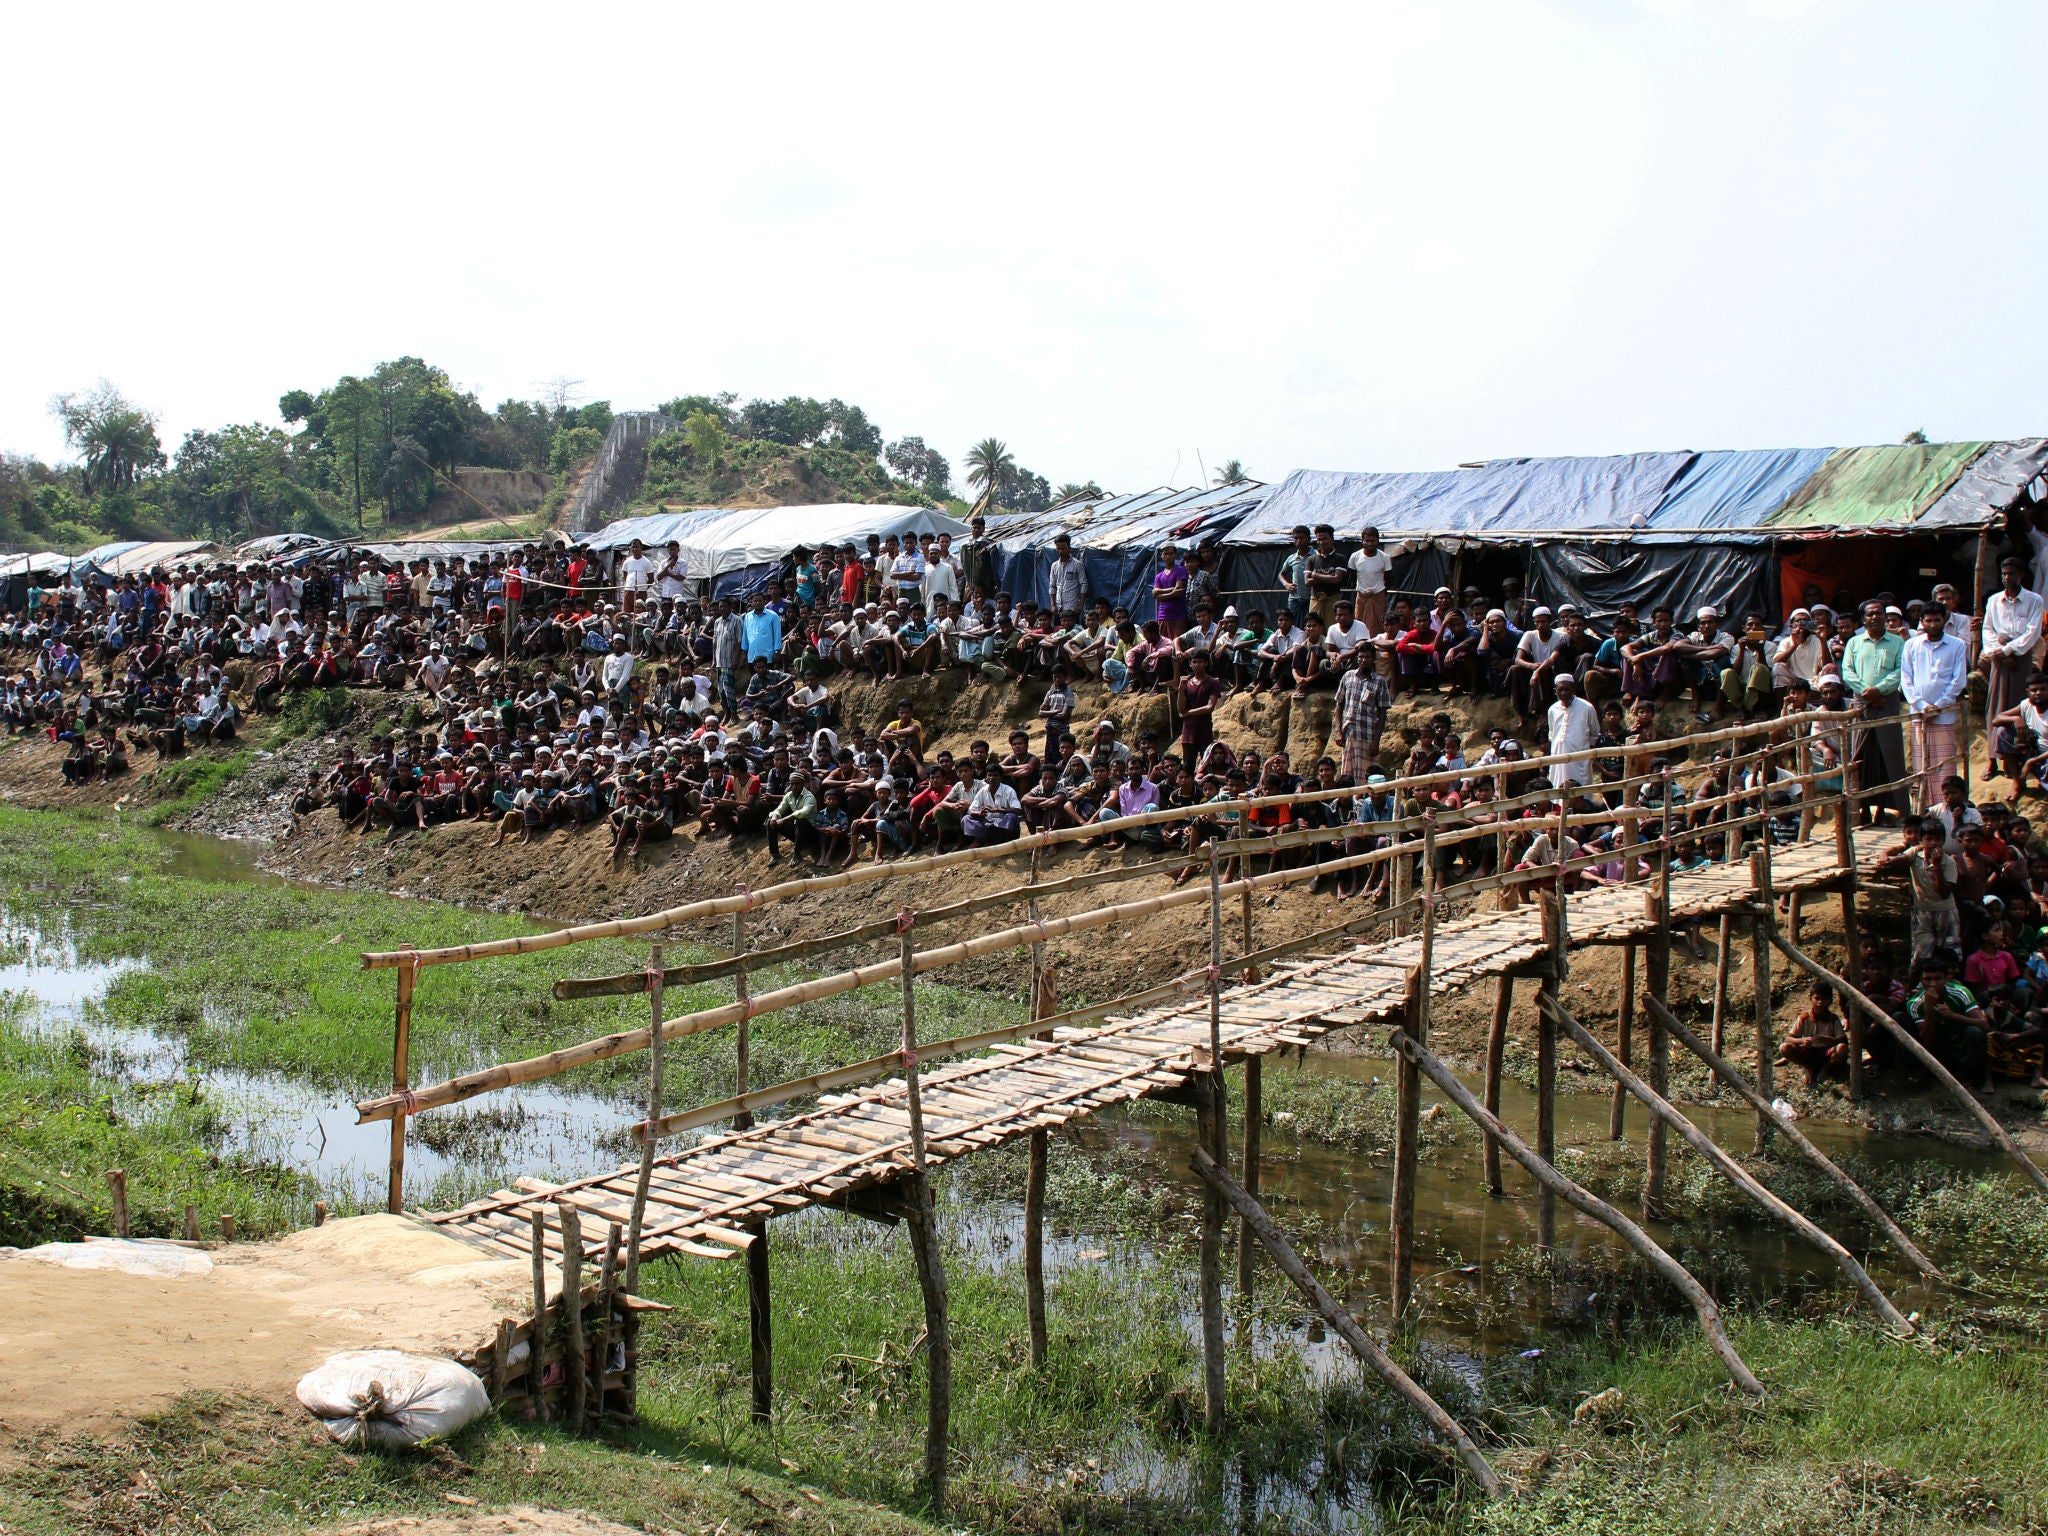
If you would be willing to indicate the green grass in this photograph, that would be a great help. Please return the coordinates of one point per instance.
(236, 1466)
(266, 978)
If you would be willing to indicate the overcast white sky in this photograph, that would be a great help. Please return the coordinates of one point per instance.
(1373, 235)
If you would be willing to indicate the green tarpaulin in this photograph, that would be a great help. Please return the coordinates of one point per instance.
(1875, 487)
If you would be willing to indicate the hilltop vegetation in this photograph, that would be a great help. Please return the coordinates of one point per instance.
(377, 452)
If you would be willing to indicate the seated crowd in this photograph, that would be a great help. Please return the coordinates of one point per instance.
(556, 694)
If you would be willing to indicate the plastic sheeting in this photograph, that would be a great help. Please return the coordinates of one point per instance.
(1983, 491)
(132, 559)
(1118, 539)
(1736, 488)
(733, 540)
(44, 564)
(1503, 498)
(1598, 577)
(1875, 487)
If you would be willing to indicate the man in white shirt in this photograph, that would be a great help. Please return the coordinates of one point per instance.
(617, 671)
(1066, 584)
(1800, 655)
(675, 575)
(906, 574)
(2012, 633)
(1574, 726)
(1369, 567)
(1349, 638)
(636, 575)
(941, 574)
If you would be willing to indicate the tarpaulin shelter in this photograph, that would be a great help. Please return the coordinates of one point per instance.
(1118, 538)
(732, 549)
(134, 559)
(1725, 526)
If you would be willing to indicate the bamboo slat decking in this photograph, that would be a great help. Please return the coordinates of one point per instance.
(702, 1198)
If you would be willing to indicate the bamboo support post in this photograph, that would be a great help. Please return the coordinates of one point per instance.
(319, 1213)
(655, 1052)
(1408, 1107)
(1846, 815)
(192, 1221)
(1921, 1054)
(1734, 1172)
(1763, 931)
(500, 1359)
(741, 1044)
(1591, 1205)
(1034, 1246)
(401, 1080)
(1400, 878)
(117, 1192)
(1496, 1052)
(1732, 1075)
(537, 1345)
(1212, 1132)
(227, 1227)
(1624, 1040)
(575, 1365)
(1546, 1083)
(760, 1325)
(1657, 985)
(1267, 1231)
(1254, 1112)
(1719, 1028)
(607, 1295)
(924, 1243)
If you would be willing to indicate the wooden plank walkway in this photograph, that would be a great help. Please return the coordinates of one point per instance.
(703, 1197)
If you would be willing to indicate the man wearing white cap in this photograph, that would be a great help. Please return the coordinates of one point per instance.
(1800, 654)
(1535, 660)
(1573, 725)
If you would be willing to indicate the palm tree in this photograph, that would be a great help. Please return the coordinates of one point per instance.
(1232, 473)
(117, 439)
(1073, 490)
(989, 464)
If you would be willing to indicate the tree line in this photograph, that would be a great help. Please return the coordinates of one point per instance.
(374, 449)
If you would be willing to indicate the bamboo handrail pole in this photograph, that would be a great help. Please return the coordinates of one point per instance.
(401, 1079)
(721, 906)
(1496, 1051)
(537, 1339)
(505, 1075)
(1732, 1075)
(912, 1100)
(575, 1365)
(1347, 1327)
(654, 1072)
(1920, 1053)
(1212, 1133)
(742, 995)
(1730, 1169)
(1592, 1205)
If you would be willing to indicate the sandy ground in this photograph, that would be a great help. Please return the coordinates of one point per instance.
(89, 1350)
(511, 1522)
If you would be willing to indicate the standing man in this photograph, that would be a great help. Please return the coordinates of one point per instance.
(1170, 592)
(636, 575)
(1294, 574)
(1371, 566)
(977, 558)
(1870, 672)
(1932, 671)
(1574, 725)
(1066, 583)
(1325, 574)
(1362, 705)
(941, 574)
(2012, 633)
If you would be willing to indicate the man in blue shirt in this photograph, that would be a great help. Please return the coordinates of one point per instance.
(1932, 671)
(761, 630)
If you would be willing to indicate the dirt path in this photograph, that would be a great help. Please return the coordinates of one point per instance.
(92, 1350)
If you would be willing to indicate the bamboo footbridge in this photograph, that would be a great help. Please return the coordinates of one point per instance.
(875, 1129)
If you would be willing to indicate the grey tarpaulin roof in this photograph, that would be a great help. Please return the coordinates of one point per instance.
(1988, 486)
(1112, 522)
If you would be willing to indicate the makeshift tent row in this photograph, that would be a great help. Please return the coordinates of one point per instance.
(1682, 528)
(733, 549)
(1118, 538)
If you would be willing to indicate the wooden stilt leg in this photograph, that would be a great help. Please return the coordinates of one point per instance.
(1247, 1239)
(1214, 1140)
(1763, 925)
(1852, 946)
(575, 1367)
(1496, 1051)
(401, 1051)
(760, 1330)
(1546, 1111)
(938, 1346)
(1408, 1112)
(1658, 983)
(1034, 1247)
(536, 1367)
(1722, 958)
(1624, 1039)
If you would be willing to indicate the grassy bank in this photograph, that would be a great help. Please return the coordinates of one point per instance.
(264, 978)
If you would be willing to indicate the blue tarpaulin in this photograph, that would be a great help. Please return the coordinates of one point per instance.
(1503, 498)
(1735, 489)
(1118, 539)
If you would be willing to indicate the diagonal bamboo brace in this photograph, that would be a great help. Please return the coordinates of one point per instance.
(1730, 1169)
(1590, 1204)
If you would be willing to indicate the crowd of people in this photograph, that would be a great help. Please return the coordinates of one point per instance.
(556, 691)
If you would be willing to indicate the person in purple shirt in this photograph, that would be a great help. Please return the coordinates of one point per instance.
(1136, 795)
(1170, 592)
